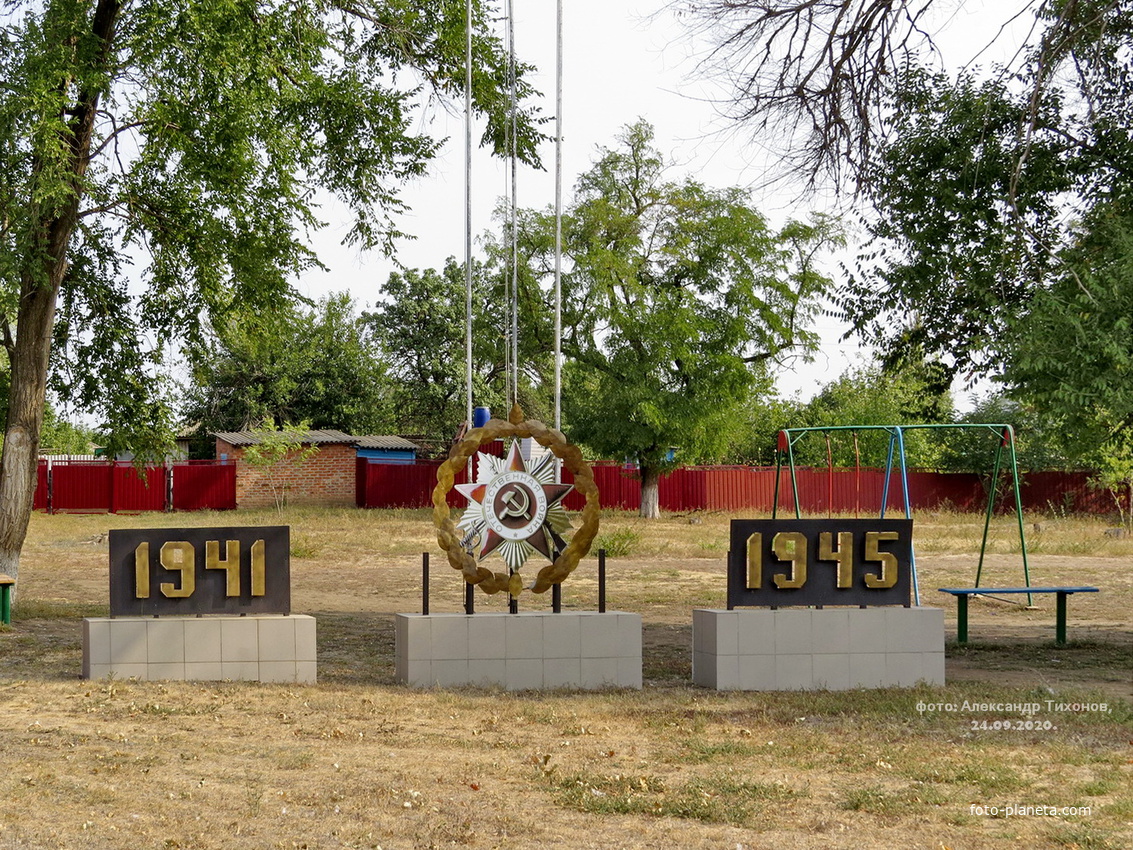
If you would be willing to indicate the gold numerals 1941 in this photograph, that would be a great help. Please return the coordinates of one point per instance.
(179, 556)
(792, 547)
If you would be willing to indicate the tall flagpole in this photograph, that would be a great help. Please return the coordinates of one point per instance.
(514, 205)
(558, 214)
(468, 212)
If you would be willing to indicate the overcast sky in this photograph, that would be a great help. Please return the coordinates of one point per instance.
(619, 64)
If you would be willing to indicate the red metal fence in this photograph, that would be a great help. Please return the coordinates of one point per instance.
(740, 488)
(205, 485)
(111, 486)
(387, 485)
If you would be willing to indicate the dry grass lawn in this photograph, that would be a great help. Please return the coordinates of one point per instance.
(359, 761)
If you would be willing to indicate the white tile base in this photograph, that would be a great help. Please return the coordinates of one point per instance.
(260, 648)
(759, 649)
(527, 651)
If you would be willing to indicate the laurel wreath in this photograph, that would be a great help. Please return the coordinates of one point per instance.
(570, 455)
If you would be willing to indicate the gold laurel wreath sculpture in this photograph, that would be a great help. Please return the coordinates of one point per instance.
(570, 455)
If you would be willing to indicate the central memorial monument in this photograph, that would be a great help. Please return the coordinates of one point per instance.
(515, 511)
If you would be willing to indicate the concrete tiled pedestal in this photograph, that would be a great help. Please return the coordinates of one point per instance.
(526, 651)
(262, 648)
(758, 649)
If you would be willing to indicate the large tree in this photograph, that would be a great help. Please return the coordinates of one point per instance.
(676, 298)
(290, 364)
(161, 163)
(1071, 352)
(419, 325)
(1001, 226)
(876, 394)
(968, 220)
(990, 191)
(815, 78)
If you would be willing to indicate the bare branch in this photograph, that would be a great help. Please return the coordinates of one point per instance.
(814, 73)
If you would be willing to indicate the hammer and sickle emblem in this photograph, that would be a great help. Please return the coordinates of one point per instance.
(517, 503)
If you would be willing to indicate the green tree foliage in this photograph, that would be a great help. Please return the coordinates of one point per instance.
(873, 395)
(755, 433)
(1002, 216)
(675, 297)
(966, 213)
(823, 80)
(290, 364)
(986, 189)
(64, 438)
(177, 150)
(420, 328)
(1040, 443)
(1000, 234)
(1071, 352)
(1073, 347)
(59, 435)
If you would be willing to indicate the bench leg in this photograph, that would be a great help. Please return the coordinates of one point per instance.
(1060, 619)
(962, 618)
(6, 604)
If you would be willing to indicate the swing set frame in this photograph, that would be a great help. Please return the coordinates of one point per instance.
(789, 436)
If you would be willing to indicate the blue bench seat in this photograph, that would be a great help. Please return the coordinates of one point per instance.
(963, 594)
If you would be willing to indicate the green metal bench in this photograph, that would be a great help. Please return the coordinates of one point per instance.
(963, 594)
(6, 584)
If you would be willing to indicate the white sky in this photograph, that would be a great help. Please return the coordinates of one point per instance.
(619, 64)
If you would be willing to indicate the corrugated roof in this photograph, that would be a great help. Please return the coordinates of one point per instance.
(316, 438)
(386, 442)
(249, 438)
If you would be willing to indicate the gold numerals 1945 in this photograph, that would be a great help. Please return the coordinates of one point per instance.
(793, 547)
(179, 556)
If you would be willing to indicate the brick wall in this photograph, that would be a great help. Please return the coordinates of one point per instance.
(325, 478)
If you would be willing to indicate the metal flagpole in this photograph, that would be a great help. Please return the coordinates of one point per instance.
(468, 213)
(514, 206)
(558, 215)
(559, 229)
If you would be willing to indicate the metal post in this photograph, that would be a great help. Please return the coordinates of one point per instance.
(990, 508)
(778, 475)
(557, 598)
(425, 583)
(962, 618)
(513, 154)
(1009, 437)
(468, 215)
(512, 604)
(1059, 618)
(601, 581)
(908, 513)
(794, 478)
(829, 477)
(469, 598)
(888, 472)
(857, 477)
(558, 224)
(728, 561)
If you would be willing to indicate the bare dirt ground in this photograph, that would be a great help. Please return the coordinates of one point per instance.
(359, 761)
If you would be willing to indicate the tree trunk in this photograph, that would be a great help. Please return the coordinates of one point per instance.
(20, 458)
(650, 492)
(29, 353)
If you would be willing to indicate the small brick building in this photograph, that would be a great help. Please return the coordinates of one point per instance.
(327, 477)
